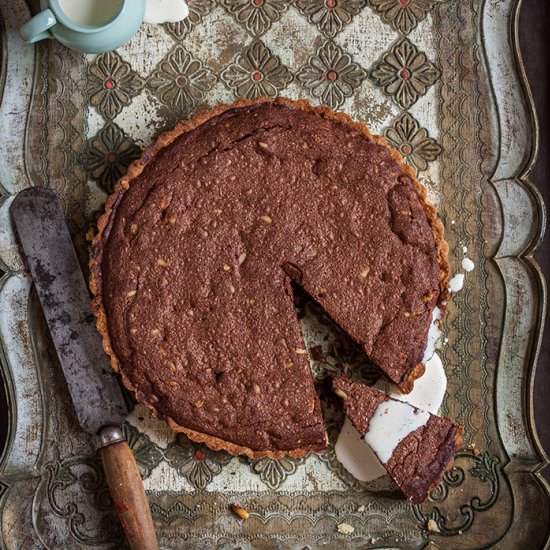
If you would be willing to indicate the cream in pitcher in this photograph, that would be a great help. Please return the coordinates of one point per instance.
(91, 12)
(99, 12)
(95, 26)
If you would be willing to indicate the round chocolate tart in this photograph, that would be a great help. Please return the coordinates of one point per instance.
(195, 255)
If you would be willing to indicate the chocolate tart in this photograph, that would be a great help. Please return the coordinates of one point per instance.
(192, 266)
(415, 447)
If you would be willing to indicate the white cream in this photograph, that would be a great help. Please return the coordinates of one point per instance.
(91, 12)
(428, 394)
(356, 457)
(467, 264)
(392, 422)
(429, 390)
(456, 283)
(434, 333)
(165, 11)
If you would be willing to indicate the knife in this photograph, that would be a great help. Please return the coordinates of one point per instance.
(96, 395)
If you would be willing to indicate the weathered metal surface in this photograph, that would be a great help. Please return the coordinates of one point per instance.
(57, 277)
(442, 81)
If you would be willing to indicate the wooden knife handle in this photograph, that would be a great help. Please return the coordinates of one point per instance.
(128, 495)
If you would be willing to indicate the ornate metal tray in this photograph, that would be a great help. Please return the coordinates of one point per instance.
(442, 80)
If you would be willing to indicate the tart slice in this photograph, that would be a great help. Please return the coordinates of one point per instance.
(193, 263)
(415, 447)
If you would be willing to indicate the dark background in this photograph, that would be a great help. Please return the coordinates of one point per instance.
(534, 26)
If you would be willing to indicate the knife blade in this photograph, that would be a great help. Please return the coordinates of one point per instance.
(96, 395)
(57, 276)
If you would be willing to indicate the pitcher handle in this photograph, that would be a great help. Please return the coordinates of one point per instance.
(36, 29)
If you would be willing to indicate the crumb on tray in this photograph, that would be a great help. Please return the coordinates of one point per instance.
(432, 526)
(239, 511)
(345, 529)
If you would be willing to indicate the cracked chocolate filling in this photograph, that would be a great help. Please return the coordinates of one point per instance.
(198, 255)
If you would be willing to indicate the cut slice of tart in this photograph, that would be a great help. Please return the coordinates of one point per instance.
(416, 447)
(192, 269)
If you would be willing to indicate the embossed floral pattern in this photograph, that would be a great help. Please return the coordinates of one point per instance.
(74, 486)
(181, 81)
(108, 155)
(413, 142)
(256, 72)
(146, 453)
(330, 16)
(403, 15)
(330, 75)
(197, 10)
(404, 73)
(484, 470)
(112, 83)
(256, 15)
(178, 510)
(196, 462)
(274, 472)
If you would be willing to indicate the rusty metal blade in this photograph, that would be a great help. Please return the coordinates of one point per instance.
(50, 256)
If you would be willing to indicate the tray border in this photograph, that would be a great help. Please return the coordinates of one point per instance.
(518, 178)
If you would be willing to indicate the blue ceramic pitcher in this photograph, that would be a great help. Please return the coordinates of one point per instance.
(53, 22)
